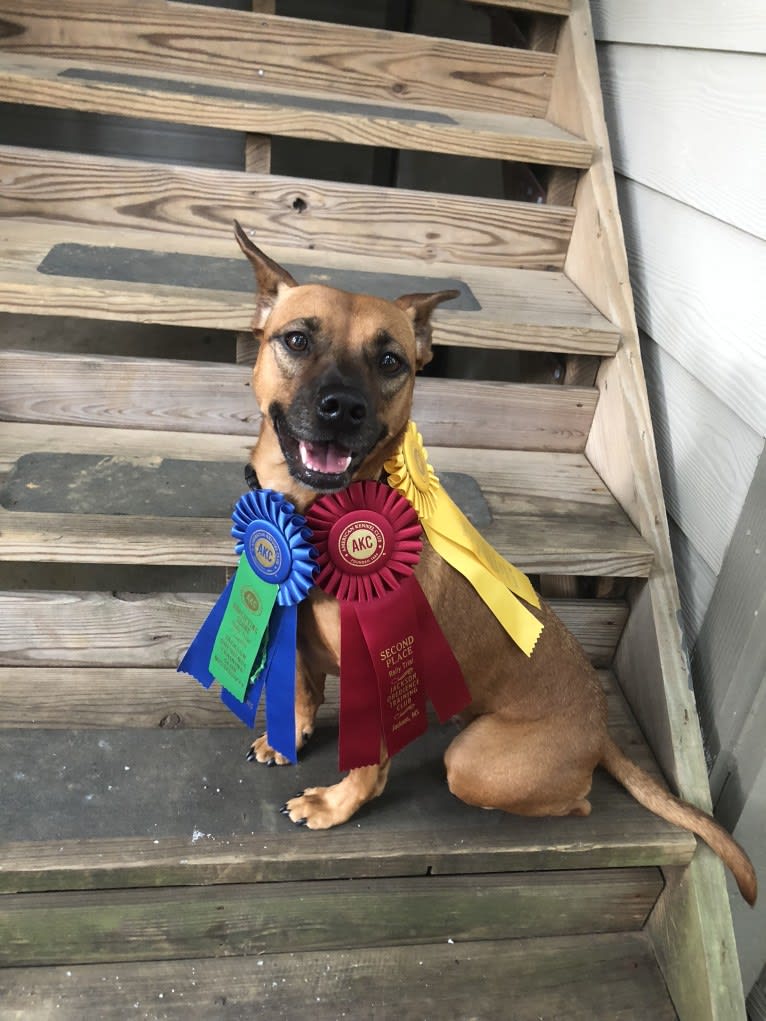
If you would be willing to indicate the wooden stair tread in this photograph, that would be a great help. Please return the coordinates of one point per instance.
(588, 977)
(547, 512)
(152, 393)
(295, 55)
(139, 635)
(219, 822)
(72, 189)
(561, 7)
(78, 927)
(124, 90)
(525, 309)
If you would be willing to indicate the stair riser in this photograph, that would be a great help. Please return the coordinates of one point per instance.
(222, 921)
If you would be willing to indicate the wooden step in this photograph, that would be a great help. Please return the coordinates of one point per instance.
(143, 637)
(85, 814)
(561, 7)
(260, 73)
(188, 396)
(197, 921)
(582, 978)
(46, 187)
(290, 54)
(147, 276)
(547, 512)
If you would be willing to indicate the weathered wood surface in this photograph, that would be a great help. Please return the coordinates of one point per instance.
(693, 933)
(134, 393)
(652, 94)
(44, 81)
(584, 978)
(536, 6)
(221, 921)
(551, 515)
(291, 55)
(218, 820)
(125, 630)
(526, 309)
(42, 186)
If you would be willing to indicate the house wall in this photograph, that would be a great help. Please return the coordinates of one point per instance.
(684, 87)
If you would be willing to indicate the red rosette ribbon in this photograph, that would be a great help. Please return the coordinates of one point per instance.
(393, 653)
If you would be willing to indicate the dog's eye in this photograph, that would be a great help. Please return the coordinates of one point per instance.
(295, 341)
(390, 363)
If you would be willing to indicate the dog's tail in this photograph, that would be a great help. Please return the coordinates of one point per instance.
(653, 796)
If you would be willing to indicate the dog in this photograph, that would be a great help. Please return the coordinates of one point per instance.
(334, 380)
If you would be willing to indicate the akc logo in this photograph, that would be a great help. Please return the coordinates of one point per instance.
(361, 544)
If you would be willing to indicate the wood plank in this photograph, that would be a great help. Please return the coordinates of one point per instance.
(285, 54)
(216, 398)
(550, 514)
(652, 94)
(536, 6)
(214, 102)
(71, 189)
(689, 23)
(691, 928)
(525, 309)
(686, 302)
(592, 977)
(218, 821)
(222, 921)
(707, 454)
(133, 631)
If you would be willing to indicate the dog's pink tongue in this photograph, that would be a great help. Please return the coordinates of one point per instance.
(324, 457)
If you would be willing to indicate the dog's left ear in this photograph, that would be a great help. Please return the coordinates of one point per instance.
(271, 280)
(419, 308)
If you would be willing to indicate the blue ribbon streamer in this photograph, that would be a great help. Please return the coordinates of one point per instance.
(257, 513)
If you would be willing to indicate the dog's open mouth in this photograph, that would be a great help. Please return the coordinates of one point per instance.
(324, 458)
(320, 464)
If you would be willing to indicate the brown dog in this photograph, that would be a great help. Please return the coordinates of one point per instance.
(334, 380)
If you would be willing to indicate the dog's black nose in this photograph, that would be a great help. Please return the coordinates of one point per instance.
(343, 407)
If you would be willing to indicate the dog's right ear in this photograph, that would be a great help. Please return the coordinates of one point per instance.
(271, 280)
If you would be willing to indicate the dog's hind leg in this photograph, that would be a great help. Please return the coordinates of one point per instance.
(309, 695)
(320, 808)
(527, 768)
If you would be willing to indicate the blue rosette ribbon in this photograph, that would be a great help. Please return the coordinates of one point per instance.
(248, 640)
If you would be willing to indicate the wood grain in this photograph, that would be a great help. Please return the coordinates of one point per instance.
(652, 94)
(600, 977)
(130, 632)
(424, 226)
(145, 925)
(525, 309)
(551, 515)
(38, 81)
(189, 396)
(537, 6)
(296, 55)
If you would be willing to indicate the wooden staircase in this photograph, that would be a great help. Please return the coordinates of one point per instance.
(144, 867)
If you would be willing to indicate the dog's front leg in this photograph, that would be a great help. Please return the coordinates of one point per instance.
(320, 808)
(309, 695)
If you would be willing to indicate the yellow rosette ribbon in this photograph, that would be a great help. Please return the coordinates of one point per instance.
(456, 540)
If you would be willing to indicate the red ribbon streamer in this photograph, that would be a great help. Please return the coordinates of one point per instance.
(393, 652)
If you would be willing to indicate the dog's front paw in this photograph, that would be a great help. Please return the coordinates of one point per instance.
(261, 751)
(315, 808)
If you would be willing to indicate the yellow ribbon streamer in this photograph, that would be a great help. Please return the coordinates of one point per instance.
(456, 540)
